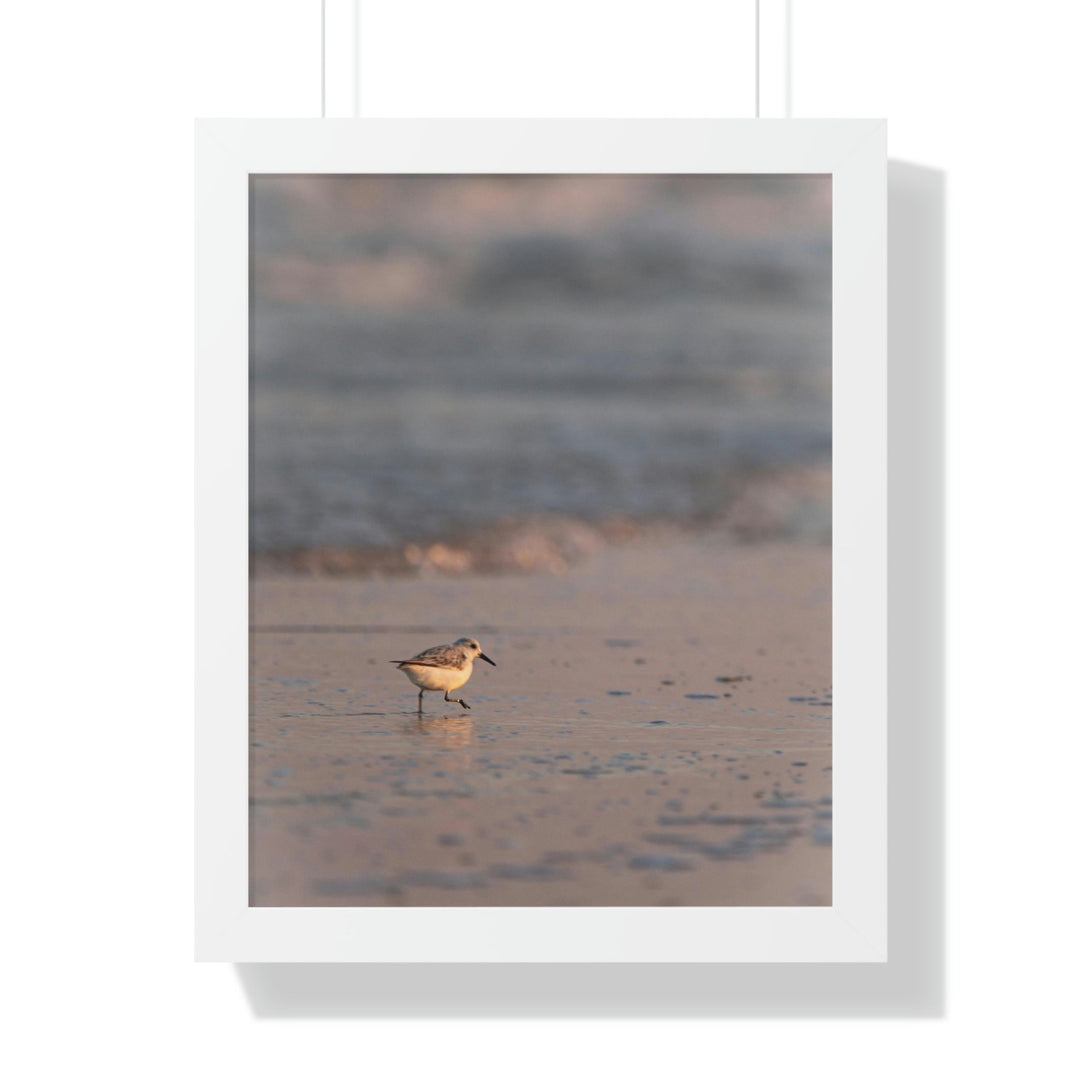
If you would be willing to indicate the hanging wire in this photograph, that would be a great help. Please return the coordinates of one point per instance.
(757, 59)
(322, 45)
(788, 14)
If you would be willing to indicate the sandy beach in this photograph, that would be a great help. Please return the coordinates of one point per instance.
(657, 731)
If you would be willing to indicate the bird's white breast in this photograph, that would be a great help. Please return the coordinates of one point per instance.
(433, 678)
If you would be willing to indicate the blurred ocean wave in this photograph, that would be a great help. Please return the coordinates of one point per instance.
(429, 360)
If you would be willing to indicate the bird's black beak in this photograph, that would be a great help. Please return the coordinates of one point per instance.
(489, 660)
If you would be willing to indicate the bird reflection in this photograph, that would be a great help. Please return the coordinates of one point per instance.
(452, 732)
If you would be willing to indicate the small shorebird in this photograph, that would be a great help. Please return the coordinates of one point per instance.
(443, 667)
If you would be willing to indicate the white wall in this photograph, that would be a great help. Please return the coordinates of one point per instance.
(97, 334)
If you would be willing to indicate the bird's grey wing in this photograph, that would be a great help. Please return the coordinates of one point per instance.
(439, 656)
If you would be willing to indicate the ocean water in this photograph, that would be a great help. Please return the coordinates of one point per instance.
(641, 368)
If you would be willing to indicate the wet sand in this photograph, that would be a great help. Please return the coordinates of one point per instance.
(657, 731)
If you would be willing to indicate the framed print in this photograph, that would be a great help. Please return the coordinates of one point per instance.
(541, 492)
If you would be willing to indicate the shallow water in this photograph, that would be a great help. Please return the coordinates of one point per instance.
(551, 789)
(520, 803)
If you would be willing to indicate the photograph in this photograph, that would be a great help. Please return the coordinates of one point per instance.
(540, 540)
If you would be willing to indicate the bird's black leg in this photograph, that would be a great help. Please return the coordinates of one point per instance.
(420, 702)
(456, 700)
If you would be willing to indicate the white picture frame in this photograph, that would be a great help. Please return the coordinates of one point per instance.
(854, 928)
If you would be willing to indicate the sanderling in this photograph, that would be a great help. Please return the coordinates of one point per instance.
(443, 667)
